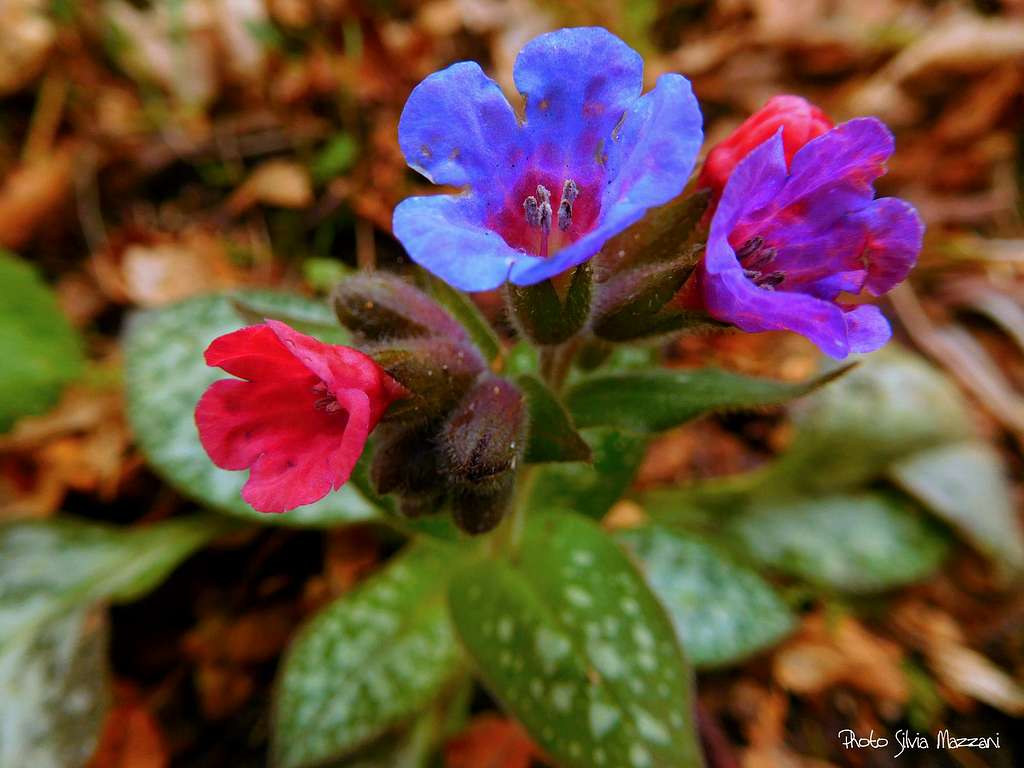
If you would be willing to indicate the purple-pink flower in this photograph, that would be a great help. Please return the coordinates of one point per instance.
(785, 246)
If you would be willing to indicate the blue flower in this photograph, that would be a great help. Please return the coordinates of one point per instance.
(541, 195)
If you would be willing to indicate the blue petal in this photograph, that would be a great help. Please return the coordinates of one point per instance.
(445, 235)
(649, 163)
(457, 128)
(577, 84)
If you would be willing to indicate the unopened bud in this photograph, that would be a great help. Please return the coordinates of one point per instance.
(636, 303)
(544, 316)
(664, 234)
(405, 461)
(436, 372)
(479, 510)
(484, 437)
(382, 306)
(414, 507)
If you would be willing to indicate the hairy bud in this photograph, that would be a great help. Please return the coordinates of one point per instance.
(483, 439)
(381, 306)
(405, 461)
(637, 303)
(544, 316)
(479, 510)
(436, 372)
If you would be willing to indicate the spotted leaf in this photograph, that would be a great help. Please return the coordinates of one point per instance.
(368, 662)
(862, 543)
(722, 611)
(571, 640)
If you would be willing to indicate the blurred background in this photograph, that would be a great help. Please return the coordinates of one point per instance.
(153, 151)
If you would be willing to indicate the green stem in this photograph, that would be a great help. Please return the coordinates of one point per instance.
(507, 538)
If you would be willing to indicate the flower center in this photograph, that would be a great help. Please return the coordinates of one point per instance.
(756, 259)
(542, 213)
(325, 400)
(538, 211)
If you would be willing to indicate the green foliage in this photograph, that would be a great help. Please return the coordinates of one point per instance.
(862, 543)
(52, 644)
(591, 489)
(964, 484)
(165, 375)
(722, 611)
(40, 349)
(656, 400)
(336, 157)
(371, 660)
(888, 407)
(552, 435)
(571, 640)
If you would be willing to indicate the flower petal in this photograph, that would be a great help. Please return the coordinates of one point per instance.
(894, 232)
(754, 183)
(446, 235)
(457, 128)
(296, 453)
(649, 163)
(866, 328)
(830, 176)
(253, 353)
(577, 84)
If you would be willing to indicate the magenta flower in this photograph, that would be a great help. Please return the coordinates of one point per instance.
(784, 245)
(543, 195)
(297, 417)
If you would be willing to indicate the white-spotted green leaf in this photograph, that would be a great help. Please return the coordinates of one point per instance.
(891, 405)
(863, 543)
(655, 400)
(52, 646)
(54, 693)
(965, 485)
(368, 662)
(723, 612)
(591, 488)
(571, 641)
(40, 349)
(166, 375)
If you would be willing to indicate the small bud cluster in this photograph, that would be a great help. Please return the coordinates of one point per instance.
(458, 438)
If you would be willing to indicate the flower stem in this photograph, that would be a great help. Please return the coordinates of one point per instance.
(509, 535)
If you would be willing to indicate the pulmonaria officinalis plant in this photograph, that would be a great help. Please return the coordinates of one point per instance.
(584, 210)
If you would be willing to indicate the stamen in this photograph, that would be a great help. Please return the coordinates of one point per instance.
(749, 248)
(756, 259)
(570, 191)
(325, 402)
(771, 280)
(544, 197)
(532, 211)
(564, 215)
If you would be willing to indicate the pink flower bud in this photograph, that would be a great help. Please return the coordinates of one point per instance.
(800, 120)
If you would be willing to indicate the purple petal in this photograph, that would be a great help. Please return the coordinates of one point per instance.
(894, 232)
(732, 298)
(445, 235)
(577, 84)
(651, 161)
(830, 176)
(457, 128)
(866, 328)
(754, 183)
